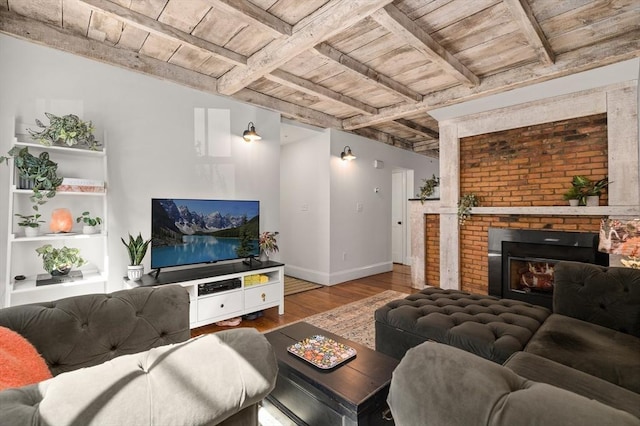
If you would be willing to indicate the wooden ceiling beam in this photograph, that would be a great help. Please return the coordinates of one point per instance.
(583, 59)
(368, 73)
(523, 15)
(65, 40)
(424, 131)
(306, 86)
(388, 139)
(402, 26)
(152, 26)
(247, 11)
(325, 22)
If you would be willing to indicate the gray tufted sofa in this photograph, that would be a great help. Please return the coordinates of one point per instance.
(580, 366)
(126, 358)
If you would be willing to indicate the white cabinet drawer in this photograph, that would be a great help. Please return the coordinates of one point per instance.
(223, 305)
(261, 296)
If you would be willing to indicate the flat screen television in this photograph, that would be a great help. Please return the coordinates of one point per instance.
(192, 231)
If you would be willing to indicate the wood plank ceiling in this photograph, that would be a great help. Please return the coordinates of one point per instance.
(372, 67)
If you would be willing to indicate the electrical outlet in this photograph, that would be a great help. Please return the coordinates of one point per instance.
(359, 207)
(304, 207)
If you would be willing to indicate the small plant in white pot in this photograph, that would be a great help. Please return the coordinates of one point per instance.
(91, 224)
(137, 249)
(30, 223)
(59, 261)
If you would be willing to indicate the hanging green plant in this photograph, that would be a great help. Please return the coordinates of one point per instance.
(40, 172)
(428, 188)
(68, 130)
(465, 204)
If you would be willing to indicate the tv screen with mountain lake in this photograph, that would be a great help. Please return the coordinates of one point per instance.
(191, 231)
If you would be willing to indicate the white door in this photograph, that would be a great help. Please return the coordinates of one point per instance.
(398, 216)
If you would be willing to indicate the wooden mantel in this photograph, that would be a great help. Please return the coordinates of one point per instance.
(618, 101)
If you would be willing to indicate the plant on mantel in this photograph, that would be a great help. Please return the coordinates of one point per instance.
(465, 204)
(583, 187)
(428, 188)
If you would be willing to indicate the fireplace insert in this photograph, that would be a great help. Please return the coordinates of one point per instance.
(521, 261)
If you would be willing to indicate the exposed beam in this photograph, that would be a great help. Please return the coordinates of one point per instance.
(402, 26)
(523, 15)
(247, 11)
(306, 86)
(368, 73)
(388, 139)
(145, 23)
(65, 40)
(583, 59)
(327, 21)
(424, 131)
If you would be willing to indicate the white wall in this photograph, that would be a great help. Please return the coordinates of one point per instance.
(305, 207)
(150, 127)
(325, 238)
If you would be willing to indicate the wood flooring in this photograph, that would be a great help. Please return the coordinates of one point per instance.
(302, 305)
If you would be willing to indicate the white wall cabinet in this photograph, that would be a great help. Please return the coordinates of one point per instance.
(22, 259)
(251, 294)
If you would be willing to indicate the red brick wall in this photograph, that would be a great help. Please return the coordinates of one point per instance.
(530, 166)
(432, 249)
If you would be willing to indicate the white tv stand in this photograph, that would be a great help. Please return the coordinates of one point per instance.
(223, 303)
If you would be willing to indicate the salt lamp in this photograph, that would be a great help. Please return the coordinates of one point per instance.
(61, 220)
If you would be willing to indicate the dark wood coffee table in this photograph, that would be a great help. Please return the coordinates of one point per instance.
(353, 393)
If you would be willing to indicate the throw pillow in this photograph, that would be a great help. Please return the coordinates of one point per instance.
(20, 362)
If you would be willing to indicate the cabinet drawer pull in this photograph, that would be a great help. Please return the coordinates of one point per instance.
(222, 305)
(264, 297)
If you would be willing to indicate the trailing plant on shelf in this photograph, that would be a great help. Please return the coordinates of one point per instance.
(40, 172)
(59, 261)
(68, 130)
(428, 188)
(465, 204)
(573, 193)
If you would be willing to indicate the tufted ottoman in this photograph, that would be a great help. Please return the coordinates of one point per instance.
(484, 325)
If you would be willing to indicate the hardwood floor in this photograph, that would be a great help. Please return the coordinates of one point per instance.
(302, 305)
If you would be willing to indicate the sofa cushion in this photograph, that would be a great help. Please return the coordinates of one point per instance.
(607, 296)
(20, 362)
(538, 369)
(436, 384)
(600, 351)
(486, 326)
(87, 330)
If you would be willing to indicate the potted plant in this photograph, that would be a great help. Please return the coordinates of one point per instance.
(137, 249)
(37, 173)
(573, 195)
(465, 204)
(30, 223)
(589, 190)
(429, 188)
(90, 223)
(68, 130)
(267, 244)
(59, 261)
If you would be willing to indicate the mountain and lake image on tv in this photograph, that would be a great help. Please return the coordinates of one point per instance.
(191, 231)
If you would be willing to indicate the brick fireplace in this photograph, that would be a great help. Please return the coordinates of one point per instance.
(520, 161)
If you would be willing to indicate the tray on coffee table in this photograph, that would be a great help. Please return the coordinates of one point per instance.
(322, 352)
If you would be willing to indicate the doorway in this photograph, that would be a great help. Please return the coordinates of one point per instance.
(399, 225)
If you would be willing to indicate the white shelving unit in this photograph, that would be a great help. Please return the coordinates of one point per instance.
(22, 258)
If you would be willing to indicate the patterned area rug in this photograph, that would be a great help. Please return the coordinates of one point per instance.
(354, 321)
(295, 285)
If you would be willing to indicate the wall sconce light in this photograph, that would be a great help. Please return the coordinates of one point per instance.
(250, 134)
(346, 154)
